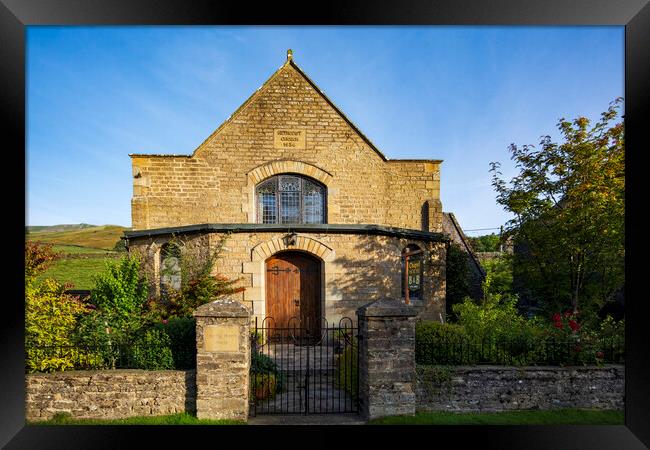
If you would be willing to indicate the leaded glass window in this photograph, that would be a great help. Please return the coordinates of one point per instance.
(170, 268)
(290, 199)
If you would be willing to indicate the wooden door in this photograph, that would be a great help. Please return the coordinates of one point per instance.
(293, 291)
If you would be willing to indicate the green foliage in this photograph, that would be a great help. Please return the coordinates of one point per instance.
(151, 350)
(457, 276)
(181, 332)
(198, 283)
(347, 363)
(120, 295)
(50, 320)
(569, 205)
(486, 243)
(120, 246)
(500, 271)
(266, 378)
(50, 315)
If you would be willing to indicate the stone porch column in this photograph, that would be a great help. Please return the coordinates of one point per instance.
(387, 358)
(222, 360)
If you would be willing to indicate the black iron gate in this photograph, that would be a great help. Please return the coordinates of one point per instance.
(293, 372)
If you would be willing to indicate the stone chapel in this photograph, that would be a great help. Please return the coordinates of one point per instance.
(311, 216)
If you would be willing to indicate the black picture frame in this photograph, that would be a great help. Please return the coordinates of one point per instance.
(15, 15)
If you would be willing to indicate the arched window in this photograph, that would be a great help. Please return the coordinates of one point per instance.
(290, 199)
(170, 267)
(412, 276)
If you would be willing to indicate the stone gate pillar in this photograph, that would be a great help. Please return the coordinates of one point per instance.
(387, 358)
(223, 357)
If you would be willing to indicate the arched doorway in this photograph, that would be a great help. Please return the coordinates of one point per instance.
(293, 290)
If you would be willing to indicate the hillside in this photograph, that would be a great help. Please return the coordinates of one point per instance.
(98, 237)
(61, 227)
(85, 249)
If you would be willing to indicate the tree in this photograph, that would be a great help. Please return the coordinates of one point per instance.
(568, 202)
(485, 243)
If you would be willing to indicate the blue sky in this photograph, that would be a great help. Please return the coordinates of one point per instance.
(457, 93)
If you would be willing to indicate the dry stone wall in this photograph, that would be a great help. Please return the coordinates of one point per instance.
(498, 388)
(109, 394)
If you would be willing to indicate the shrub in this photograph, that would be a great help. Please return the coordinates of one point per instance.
(50, 315)
(264, 385)
(181, 332)
(120, 296)
(198, 284)
(152, 351)
(262, 365)
(347, 366)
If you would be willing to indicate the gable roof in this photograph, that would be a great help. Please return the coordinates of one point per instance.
(451, 226)
(290, 62)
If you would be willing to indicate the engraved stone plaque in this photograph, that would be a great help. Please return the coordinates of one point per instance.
(221, 338)
(289, 139)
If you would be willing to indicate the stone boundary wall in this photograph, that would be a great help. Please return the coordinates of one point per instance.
(109, 394)
(500, 388)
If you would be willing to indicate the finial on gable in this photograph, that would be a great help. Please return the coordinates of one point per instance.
(289, 55)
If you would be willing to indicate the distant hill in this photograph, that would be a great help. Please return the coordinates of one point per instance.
(56, 228)
(90, 236)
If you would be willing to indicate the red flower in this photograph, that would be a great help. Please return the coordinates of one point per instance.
(557, 324)
(600, 355)
(165, 321)
(556, 317)
(575, 326)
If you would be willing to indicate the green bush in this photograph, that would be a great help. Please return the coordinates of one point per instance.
(50, 316)
(151, 351)
(181, 332)
(120, 296)
(347, 367)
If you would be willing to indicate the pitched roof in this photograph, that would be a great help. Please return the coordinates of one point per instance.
(290, 62)
(451, 226)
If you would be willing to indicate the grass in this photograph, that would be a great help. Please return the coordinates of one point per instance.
(79, 250)
(550, 417)
(174, 419)
(100, 237)
(78, 271)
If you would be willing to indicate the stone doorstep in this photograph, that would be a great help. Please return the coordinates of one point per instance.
(307, 419)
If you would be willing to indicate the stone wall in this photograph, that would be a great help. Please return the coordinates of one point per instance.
(356, 269)
(387, 359)
(223, 358)
(216, 183)
(109, 394)
(498, 388)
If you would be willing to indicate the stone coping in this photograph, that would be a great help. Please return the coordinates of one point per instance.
(524, 368)
(303, 228)
(387, 307)
(226, 307)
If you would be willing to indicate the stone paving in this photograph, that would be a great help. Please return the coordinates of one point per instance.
(312, 391)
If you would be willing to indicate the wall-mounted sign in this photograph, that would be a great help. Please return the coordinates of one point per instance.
(221, 338)
(289, 139)
(414, 274)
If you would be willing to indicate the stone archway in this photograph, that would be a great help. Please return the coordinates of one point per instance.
(256, 268)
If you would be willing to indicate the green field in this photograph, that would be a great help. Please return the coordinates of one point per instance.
(84, 250)
(175, 419)
(78, 271)
(552, 417)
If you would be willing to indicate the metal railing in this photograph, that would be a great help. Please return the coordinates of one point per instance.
(105, 357)
(519, 352)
